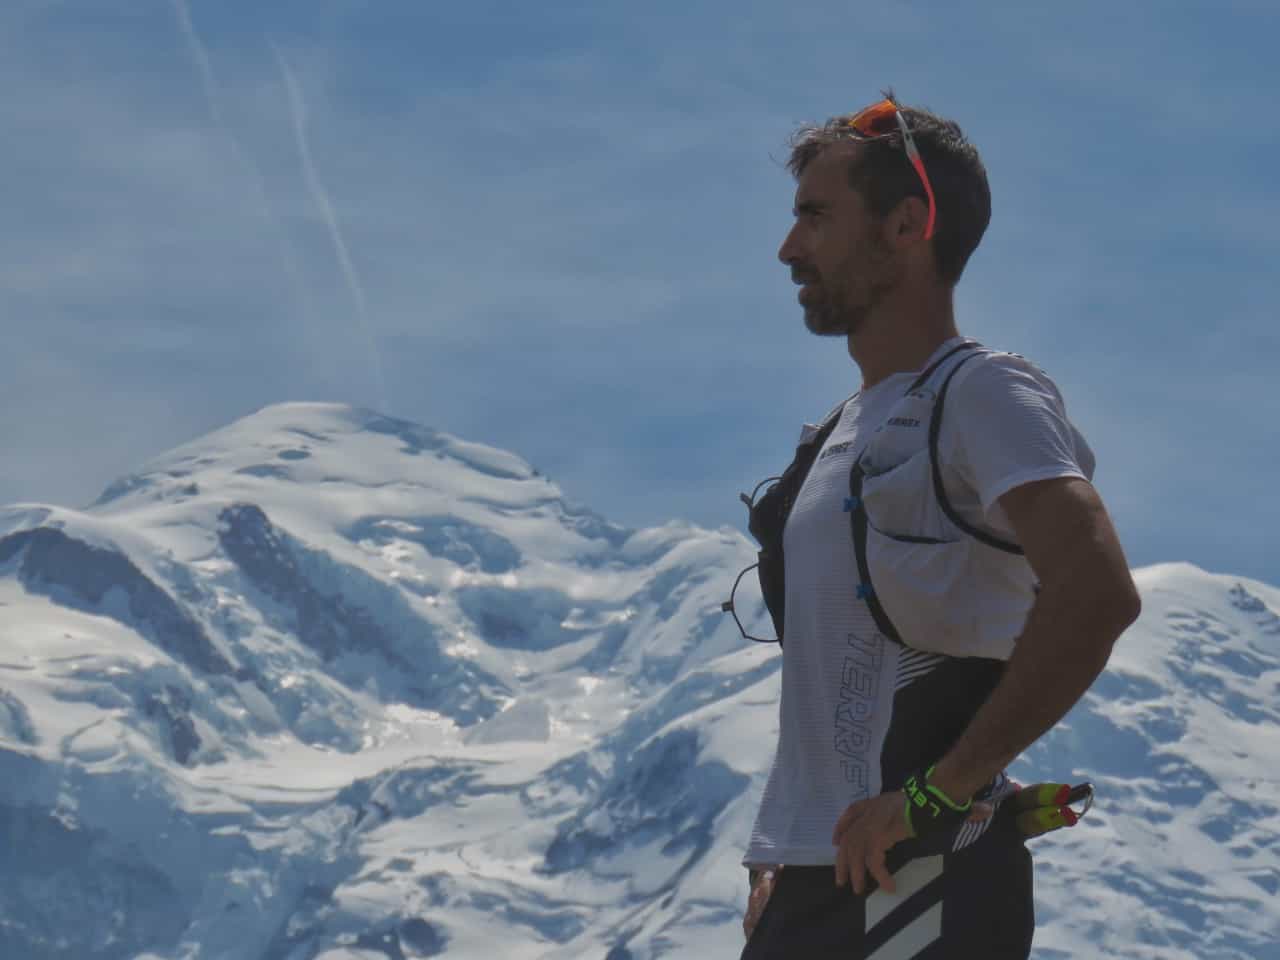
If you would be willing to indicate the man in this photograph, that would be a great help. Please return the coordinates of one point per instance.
(944, 577)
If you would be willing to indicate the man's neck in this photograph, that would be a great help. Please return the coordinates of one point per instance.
(900, 340)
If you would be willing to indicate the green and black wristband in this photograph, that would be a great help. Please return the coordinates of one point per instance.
(929, 810)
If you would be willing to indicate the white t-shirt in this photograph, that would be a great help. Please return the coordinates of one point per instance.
(1004, 425)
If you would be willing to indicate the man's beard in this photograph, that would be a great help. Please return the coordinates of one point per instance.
(841, 310)
(827, 318)
(842, 313)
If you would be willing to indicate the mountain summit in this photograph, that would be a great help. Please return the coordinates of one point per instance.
(327, 684)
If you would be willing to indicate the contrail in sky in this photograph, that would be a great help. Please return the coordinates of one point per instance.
(201, 58)
(298, 108)
(210, 84)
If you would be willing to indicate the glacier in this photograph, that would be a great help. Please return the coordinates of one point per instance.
(327, 684)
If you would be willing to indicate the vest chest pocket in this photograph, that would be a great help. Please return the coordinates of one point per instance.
(900, 504)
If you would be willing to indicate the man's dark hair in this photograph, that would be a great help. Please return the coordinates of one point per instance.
(882, 173)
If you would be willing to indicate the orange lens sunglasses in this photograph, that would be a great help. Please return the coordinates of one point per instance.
(879, 120)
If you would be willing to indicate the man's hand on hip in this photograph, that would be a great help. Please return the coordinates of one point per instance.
(864, 833)
(869, 829)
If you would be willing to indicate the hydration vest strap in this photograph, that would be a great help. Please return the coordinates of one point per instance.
(921, 380)
(858, 524)
(939, 490)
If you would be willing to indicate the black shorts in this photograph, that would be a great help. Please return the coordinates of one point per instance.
(973, 904)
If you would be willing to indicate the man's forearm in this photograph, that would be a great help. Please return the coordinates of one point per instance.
(1063, 648)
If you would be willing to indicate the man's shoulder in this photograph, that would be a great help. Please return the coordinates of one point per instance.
(993, 373)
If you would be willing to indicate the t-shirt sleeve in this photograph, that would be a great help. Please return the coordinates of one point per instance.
(1008, 426)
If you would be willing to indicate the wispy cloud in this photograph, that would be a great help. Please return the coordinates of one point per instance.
(298, 112)
(201, 57)
(261, 196)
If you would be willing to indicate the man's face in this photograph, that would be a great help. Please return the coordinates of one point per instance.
(835, 249)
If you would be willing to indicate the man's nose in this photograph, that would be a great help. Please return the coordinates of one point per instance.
(789, 252)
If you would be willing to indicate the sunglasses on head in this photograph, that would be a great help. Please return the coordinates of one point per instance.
(883, 119)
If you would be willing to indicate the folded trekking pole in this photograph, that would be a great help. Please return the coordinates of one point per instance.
(1042, 807)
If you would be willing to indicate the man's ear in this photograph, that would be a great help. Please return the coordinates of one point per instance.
(908, 220)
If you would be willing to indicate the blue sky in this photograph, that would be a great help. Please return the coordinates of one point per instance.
(552, 227)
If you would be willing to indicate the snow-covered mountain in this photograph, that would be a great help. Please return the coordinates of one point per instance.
(326, 684)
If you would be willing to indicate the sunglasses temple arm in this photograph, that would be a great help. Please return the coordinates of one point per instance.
(928, 188)
(913, 155)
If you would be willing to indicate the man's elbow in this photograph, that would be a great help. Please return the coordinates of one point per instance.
(1106, 603)
(1113, 607)
(1122, 607)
